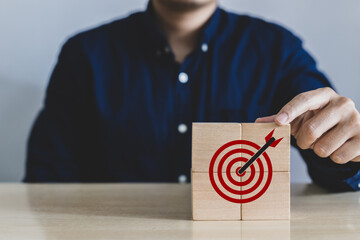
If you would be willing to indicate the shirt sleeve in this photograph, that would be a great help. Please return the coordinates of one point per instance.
(299, 73)
(61, 139)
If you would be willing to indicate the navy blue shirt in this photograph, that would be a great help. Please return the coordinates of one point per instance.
(117, 97)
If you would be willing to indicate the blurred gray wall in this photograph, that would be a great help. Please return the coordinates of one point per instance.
(32, 32)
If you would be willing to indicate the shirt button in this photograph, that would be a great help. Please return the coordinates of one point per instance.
(182, 178)
(183, 77)
(204, 47)
(167, 49)
(182, 128)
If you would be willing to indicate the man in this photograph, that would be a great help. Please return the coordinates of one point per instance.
(122, 97)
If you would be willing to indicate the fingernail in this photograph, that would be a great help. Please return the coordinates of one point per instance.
(282, 118)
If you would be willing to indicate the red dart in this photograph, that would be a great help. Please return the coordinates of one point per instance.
(270, 142)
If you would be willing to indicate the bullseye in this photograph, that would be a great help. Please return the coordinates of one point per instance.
(233, 184)
(240, 174)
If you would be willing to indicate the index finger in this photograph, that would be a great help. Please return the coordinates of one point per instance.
(304, 102)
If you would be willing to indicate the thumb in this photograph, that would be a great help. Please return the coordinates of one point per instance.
(268, 119)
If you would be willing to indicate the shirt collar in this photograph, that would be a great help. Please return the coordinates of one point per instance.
(153, 35)
(212, 26)
(157, 39)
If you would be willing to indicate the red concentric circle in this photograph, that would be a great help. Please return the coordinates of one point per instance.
(227, 167)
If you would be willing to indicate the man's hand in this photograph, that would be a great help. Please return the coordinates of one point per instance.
(323, 121)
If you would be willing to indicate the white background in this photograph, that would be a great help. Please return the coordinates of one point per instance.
(32, 32)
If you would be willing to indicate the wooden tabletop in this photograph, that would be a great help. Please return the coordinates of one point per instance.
(161, 211)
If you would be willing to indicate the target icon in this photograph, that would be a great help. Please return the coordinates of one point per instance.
(240, 171)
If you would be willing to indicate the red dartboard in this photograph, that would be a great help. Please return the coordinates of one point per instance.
(224, 166)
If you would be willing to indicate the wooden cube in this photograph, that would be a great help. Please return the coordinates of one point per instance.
(209, 137)
(274, 203)
(207, 203)
(280, 155)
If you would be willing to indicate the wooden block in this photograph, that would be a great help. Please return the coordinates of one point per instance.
(207, 138)
(207, 204)
(280, 155)
(274, 203)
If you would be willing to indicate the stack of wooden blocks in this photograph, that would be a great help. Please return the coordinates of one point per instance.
(207, 204)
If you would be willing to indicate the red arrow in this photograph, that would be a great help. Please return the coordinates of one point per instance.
(270, 142)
